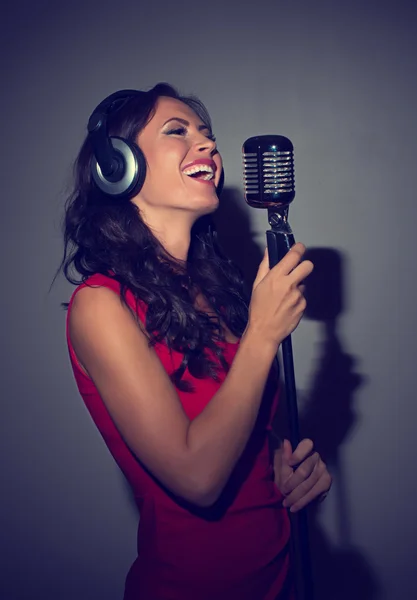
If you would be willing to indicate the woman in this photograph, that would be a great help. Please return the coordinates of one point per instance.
(177, 370)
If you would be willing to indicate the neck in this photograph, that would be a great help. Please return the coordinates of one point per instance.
(173, 231)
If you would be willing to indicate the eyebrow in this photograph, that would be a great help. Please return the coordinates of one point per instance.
(186, 123)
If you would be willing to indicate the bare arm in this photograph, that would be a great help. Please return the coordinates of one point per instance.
(195, 458)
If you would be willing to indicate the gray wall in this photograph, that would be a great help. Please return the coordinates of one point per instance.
(337, 78)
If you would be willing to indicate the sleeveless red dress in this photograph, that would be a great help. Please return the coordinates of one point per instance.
(237, 549)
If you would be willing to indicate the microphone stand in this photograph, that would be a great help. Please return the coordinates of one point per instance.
(279, 240)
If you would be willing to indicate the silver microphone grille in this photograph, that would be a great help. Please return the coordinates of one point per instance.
(268, 171)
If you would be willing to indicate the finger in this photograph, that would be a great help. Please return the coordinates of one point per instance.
(303, 450)
(301, 272)
(306, 485)
(284, 470)
(287, 450)
(300, 475)
(263, 269)
(318, 491)
(290, 260)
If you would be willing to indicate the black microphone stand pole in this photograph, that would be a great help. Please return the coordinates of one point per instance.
(279, 240)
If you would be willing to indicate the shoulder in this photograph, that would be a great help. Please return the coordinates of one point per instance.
(94, 308)
(101, 292)
(91, 298)
(100, 326)
(97, 316)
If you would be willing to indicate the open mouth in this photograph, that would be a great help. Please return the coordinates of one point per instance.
(200, 172)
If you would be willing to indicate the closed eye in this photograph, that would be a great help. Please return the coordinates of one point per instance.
(183, 131)
(177, 131)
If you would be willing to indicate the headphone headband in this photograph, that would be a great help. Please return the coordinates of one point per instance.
(107, 106)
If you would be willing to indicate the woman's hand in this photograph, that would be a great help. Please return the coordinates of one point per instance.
(301, 476)
(277, 302)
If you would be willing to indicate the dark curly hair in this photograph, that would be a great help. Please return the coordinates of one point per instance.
(108, 236)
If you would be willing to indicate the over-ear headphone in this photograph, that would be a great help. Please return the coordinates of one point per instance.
(119, 166)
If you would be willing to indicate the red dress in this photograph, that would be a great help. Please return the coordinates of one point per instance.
(237, 549)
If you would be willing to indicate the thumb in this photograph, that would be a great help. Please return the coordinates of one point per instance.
(263, 269)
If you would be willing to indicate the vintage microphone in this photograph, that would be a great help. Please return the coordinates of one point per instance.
(268, 169)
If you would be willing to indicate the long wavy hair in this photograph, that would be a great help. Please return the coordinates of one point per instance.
(108, 236)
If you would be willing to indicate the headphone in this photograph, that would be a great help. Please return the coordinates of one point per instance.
(118, 167)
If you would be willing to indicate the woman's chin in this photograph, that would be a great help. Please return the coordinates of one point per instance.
(203, 203)
(209, 207)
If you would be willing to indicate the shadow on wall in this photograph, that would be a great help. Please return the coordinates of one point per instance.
(236, 236)
(340, 571)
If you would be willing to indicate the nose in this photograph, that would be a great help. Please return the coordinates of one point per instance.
(206, 145)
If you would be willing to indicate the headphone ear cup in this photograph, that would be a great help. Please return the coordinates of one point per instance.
(133, 171)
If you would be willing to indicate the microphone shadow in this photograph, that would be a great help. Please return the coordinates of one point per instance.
(340, 571)
(328, 416)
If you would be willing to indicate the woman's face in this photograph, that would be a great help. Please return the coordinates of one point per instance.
(176, 145)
